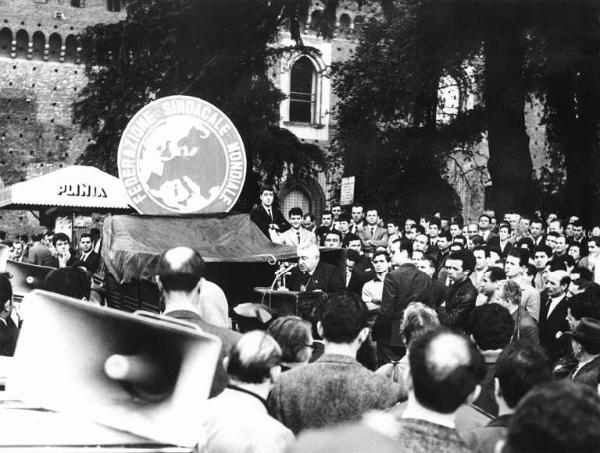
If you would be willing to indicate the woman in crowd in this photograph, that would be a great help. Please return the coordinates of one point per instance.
(418, 318)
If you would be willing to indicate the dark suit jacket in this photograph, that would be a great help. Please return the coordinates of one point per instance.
(92, 262)
(588, 374)
(326, 277)
(260, 216)
(438, 292)
(402, 286)
(334, 389)
(460, 301)
(358, 280)
(549, 326)
(494, 244)
(8, 337)
(227, 337)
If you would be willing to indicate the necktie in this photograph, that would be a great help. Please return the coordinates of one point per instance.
(270, 215)
(298, 234)
(372, 231)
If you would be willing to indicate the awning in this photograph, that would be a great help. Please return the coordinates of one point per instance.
(77, 186)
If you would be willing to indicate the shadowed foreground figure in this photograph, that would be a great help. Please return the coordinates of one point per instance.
(237, 420)
(335, 388)
(560, 417)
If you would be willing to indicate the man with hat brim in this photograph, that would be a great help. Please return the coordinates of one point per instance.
(585, 341)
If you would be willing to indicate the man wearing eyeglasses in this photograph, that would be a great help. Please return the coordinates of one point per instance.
(314, 275)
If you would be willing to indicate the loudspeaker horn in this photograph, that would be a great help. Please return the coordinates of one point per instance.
(146, 376)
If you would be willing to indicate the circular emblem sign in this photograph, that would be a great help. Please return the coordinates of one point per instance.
(181, 155)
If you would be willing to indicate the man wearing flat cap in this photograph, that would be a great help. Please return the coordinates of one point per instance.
(585, 341)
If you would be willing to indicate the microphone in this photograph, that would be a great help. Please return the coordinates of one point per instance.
(285, 270)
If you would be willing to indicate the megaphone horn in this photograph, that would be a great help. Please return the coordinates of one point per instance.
(146, 376)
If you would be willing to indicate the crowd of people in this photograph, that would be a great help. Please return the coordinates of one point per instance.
(474, 326)
(435, 336)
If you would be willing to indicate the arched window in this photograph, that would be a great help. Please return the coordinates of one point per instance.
(5, 42)
(22, 44)
(113, 5)
(302, 91)
(359, 21)
(39, 42)
(295, 198)
(71, 48)
(345, 22)
(315, 19)
(55, 42)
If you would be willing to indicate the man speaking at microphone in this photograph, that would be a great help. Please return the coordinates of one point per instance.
(313, 275)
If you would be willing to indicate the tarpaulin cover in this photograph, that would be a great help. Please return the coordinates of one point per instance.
(132, 244)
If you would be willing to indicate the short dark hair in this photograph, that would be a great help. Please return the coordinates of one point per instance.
(352, 255)
(467, 258)
(481, 248)
(264, 188)
(556, 417)
(460, 238)
(381, 253)
(595, 240)
(293, 334)
(184, 277)
(85, 235)
(435, 221)
(405, 245)
(496, 273)
(487, 216)
(60, 237)
(504, 225)
(344, 217)
(326, 213)
(445, 234)
(334, 232)
(69, 281)
(520, 367)
(351, 237)
(491, 326)
(253, 356)
(437, 386)
(343, 316)
(24, 238)
(6, 291)
(521, 254)
(543, 248)
(37, 237)
(295, 211)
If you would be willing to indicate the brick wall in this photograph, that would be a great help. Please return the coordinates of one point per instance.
(39, 81)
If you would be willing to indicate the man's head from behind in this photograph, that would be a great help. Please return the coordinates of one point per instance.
(254, 359)
(180, 269)
(446, 369)
(520, 367)
(491, 326)
(556, 417)
(344, 319)
(69, 281)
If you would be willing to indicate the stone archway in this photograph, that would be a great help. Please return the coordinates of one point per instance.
(296, 187)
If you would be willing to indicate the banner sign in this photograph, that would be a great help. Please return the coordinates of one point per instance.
(347, 191)
(181, 155)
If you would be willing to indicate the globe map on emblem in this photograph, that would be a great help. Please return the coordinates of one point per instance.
(181, 155)
(180, 166)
